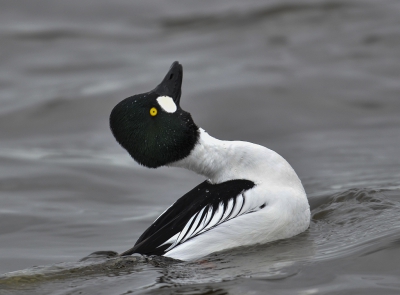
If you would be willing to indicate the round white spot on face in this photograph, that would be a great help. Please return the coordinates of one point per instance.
(167, 103)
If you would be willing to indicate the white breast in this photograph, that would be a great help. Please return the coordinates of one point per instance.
(286, 212)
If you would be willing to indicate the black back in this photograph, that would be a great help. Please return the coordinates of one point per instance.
(173, 220)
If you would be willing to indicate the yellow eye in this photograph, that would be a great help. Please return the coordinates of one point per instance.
(153, 112)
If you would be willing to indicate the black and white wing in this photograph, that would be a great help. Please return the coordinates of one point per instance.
(203, 208)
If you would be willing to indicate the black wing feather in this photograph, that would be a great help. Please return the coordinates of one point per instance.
(173, 220)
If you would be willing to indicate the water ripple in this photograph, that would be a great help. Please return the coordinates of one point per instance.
(252, 16)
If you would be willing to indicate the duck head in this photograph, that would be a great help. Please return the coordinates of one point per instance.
(152, 126)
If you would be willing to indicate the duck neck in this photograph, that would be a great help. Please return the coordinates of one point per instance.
(210, 157)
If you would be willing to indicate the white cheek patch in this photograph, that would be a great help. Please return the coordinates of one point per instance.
(167, 103)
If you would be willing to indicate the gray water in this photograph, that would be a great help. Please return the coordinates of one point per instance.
(316, 81)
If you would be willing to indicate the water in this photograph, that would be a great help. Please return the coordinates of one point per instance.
(316, 81)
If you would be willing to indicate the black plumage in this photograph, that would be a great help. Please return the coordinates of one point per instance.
(172, 221)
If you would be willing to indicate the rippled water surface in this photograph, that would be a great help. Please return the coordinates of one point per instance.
(316, 81)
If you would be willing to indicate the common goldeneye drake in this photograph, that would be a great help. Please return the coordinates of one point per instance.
(251, 195)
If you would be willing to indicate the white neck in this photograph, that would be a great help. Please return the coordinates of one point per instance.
(208, 158)
(221, 161)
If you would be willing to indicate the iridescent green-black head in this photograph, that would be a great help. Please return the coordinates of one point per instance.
(152, 127)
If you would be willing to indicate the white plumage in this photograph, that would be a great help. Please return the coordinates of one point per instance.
(286, 212)
(252, 194)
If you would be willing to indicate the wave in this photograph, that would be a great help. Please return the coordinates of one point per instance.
(235, 18)
(357, 220)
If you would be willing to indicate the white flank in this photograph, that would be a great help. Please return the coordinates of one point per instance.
(245, 220)
(167, 103)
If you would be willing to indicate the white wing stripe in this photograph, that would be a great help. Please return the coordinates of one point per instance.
(228, 210)
(170, 241)
(208, 218)
(202, 224)
(198, 223)
(193, 227)
(186, 228)
(182, 233)
(216, 217)
(238, 205)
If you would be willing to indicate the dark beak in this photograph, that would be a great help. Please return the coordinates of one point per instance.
(171, 85)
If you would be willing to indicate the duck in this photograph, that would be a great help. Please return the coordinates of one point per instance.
(250, 195)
